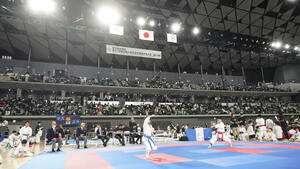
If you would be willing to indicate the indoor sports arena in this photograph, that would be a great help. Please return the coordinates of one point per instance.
(151, 84)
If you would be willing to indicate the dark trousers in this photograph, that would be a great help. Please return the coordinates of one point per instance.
(120, 138)
(137, 137)
(84, 138)
(104, 140)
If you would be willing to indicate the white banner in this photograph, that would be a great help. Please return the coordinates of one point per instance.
(114, 103)
(116, 30)
(199, 134)
(138, 103)
(120, 50)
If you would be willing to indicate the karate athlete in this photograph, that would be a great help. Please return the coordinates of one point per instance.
(22, 150)
(262, 130)
(147, 140)
(26, 133)
(220, 134)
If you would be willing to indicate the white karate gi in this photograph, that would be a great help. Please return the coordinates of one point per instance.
(220, 134)
(296, 136)
(147, 140)
(23, 149)
(243, 134)
(277, 131)
(262, 130)
(270, 136)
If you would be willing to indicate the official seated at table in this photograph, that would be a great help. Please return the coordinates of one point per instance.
(119, 134)
(135, 134)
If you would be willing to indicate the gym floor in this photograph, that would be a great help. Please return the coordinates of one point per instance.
(180, 155)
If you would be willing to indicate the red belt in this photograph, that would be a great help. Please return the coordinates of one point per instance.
(221, 133)
(261, 125)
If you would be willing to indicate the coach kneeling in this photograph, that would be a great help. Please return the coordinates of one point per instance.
(81, 135)
(54, 137)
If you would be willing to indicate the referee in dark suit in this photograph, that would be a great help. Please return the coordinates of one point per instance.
(81, 135)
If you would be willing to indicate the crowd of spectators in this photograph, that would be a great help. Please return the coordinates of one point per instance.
(154, 82)
(248, 105)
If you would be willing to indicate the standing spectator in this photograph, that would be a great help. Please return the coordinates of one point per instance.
(242, 120)
(234, 126)
(81, 135)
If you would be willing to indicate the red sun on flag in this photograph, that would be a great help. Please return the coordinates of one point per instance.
(146, 35)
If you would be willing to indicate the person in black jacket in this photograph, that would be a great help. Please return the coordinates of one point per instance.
(234, 126)
(67, 135)
(101, 134)
(134, 134)
(119, 134)
(53, 137)
(81, 135)
(61, 131)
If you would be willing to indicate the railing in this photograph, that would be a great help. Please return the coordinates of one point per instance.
(38, 86)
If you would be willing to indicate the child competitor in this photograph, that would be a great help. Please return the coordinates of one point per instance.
(220, 134)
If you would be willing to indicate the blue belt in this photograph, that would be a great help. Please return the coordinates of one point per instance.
(149, 139)
(27, 135)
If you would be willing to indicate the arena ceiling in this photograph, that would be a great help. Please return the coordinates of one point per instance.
(234, 33)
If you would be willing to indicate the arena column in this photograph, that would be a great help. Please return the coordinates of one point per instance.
(63, 93)
(19, 93)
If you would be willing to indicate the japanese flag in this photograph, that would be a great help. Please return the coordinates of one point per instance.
(146, 35)
(116, 30)
(171, 38)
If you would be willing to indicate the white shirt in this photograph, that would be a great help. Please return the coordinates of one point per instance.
(24, 131)
(220, 127)
(277, 131)
(20, 149)
(250, 130)
(148, 129)
(292, 132)
(242, 130)
(269, 123)
(13, 137)
(296, 136)
(271, 136)
(260, 121)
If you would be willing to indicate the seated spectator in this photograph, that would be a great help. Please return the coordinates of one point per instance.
(22, 150)
(81, 134)
(54, 136)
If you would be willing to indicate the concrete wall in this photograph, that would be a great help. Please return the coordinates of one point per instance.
(288, 73)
